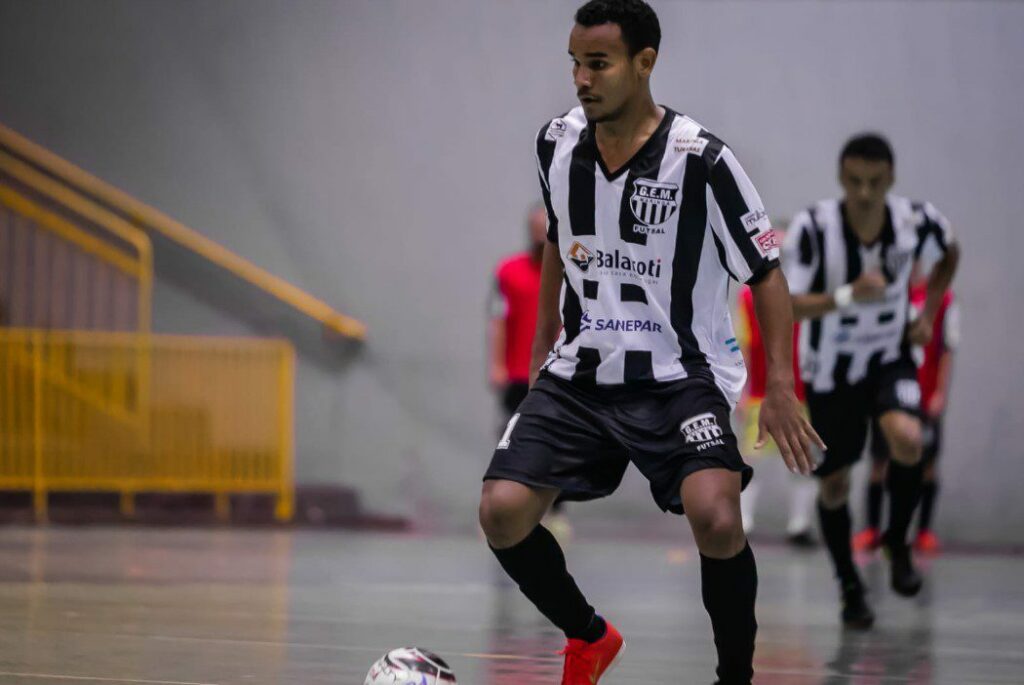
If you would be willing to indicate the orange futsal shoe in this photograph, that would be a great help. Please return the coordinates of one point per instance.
(586, 662)
(927, 542)
(867, 540)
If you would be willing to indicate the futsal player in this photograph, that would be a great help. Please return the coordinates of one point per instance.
(848, 262)
(649, 215)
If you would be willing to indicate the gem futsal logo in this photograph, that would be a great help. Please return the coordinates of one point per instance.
(703, 431)
(653, 203)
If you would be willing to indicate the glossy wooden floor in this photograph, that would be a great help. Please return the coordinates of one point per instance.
(135, 605)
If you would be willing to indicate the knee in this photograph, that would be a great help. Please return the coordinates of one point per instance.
(718, 529)
(834, 489)
(905, 444)
(502, 515)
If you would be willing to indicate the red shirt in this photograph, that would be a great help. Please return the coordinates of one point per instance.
(518, 283)
(754, 353)
(944, 334)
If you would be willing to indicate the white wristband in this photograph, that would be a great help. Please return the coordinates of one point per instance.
(843, 296)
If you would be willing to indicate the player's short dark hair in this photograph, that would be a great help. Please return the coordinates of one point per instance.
(639, 23)
(870, 146)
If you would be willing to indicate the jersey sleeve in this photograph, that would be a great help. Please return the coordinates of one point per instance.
(934, 236)
(738, 217)
(545, 154)
(800, 254)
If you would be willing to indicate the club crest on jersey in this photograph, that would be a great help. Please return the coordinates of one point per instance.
(580, 256)
(703, 431)
(653, 203)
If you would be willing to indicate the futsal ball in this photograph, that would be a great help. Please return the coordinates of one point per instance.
(410, 666)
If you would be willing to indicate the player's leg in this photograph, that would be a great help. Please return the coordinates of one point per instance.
(803, 497)
(681, 439)
(903, 434)
(870, 538)
(926, 540)
(747, 414)
(711, 499)
(834, 517)
(553, 444)
(840, 418)
(510, 515)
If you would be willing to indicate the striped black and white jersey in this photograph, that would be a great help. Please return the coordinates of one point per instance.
(648, 252)
(822, 253)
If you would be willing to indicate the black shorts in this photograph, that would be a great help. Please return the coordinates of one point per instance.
(931, 440)
(580, 440)
(841, 417)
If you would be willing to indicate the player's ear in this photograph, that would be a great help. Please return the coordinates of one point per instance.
(890, 178)
(644, 61)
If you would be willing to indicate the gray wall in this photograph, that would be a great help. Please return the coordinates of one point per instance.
(378, 153)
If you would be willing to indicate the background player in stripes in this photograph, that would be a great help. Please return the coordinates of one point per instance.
(849, 263)
(649, 215)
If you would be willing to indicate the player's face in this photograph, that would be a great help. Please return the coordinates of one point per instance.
(538, 226)
(605, 76)
(865, 182)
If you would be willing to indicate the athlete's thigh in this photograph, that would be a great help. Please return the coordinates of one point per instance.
(677, 431)
(556, 440)
(841, 419)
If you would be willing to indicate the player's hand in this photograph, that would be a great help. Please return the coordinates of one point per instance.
(869, 287)
(783, 418)
(936, 405)
(920, 332)
(499, 376)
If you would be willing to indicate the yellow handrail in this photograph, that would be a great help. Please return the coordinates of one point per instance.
(147, 216)
(139, 266)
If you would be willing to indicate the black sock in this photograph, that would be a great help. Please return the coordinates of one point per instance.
(835, 528)
(904, 493)
(729, 588)
(538, 567)
(875, 493)
(928, 491)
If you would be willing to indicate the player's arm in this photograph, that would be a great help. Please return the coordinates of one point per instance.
(950, 339)
(498, 372)
(938, 282)
(738, 218)
(549, 320)
(781, 414)
(801, 259)
(868, 287)
(937, 246)
(497, 336)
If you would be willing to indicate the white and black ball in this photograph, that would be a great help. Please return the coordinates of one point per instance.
(410, 666)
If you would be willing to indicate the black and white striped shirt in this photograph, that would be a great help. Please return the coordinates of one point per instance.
(648, 252)
(822, 253)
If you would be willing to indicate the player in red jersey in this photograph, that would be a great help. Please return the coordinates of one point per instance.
(804, 493)
(935, 363)
(514, 316)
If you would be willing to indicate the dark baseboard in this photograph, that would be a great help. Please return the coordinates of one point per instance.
(316, 506)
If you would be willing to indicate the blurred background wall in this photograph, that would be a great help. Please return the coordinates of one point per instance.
(379, 154)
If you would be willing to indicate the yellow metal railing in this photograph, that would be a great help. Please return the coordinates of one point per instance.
(53, 176)
(56, 274)
(76, 415)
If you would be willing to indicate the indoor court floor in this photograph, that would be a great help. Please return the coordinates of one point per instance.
(240, 607)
